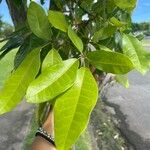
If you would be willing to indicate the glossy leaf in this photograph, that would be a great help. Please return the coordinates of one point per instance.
(133, 48)
(16, 86)
(111, 62)
(57, 19)
(72, 109)
(126, 4)
(38, 21)
(53, 81)
(123, 80)
(51, 59)
(75, 39)
(104, 33)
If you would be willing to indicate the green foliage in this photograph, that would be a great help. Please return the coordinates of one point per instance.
(75, 39)
(126, 4)
(57, 19)
(52, 81)
(49, 69)
(51, 59)
(143, 27)
(110, 61)
(16, 85)
(104, 33)
(6, 66)
(74, 108)
(38, 21)
(136, 52)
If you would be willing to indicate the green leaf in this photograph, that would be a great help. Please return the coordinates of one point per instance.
(126, 4)
(75, 39)
(53, 81)
(102, 47)
(38, 21)
(30, 43)
(11, 44)
(123, 80)
(104, 33)
(51, 59)
(57, 19)
(16, 86)
(133, 48)
(109, 61)
(6, 67)
(116, 22)
(41, 113)
(73, 108)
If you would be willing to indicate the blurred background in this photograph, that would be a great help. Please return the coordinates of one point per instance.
(124, 118)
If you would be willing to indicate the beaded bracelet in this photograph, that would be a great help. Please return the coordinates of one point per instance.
(42, 133)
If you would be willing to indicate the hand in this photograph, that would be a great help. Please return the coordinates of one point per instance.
(40, 143)
(49, 123)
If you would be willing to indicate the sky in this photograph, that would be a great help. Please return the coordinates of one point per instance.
(140, 14)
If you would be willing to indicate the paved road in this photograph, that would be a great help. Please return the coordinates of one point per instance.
(132, 107)
(14, 126)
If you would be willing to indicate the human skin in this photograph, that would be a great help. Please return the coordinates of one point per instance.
(40, 143)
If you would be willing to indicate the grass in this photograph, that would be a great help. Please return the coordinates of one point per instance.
(84, 142)
(107, 134)
(31, 134)
(6, 65)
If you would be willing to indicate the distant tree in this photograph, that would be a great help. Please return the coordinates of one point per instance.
(5, 29)
(144, 26)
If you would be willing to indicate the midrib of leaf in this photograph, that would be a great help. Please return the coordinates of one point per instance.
(53, 57)
(75, 108)
(38, 24)
(59, 76)
(18, 85)
(100, 62)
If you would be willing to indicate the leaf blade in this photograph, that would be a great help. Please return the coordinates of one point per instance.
(75, 39)
(57, 19)
(52, 82)
(136, 52)
(111, 62)
(125, 4)
(51, 59)
(38, 21)
(73, 108)
(15, 87)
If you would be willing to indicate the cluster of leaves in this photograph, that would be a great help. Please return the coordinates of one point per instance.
(61, 52)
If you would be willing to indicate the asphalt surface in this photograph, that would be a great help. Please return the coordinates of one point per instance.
(132, 107)
(14, 127)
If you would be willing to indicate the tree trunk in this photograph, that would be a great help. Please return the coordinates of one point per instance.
(17, 13)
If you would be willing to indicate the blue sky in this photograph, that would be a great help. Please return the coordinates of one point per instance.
(140, 14)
